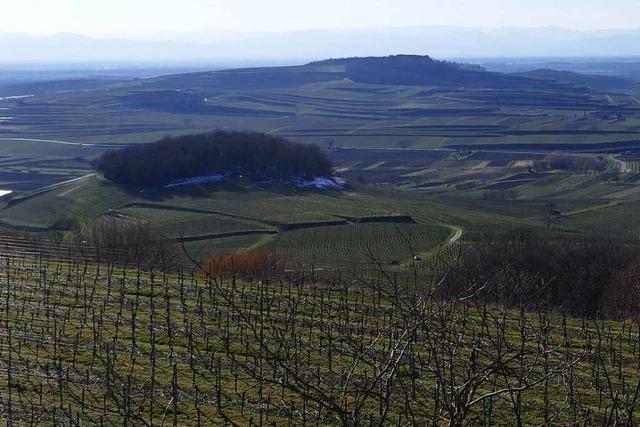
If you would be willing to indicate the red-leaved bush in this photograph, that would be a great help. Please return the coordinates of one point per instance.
(251, 265)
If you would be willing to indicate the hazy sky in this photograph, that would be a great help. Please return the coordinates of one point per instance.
(144, 16)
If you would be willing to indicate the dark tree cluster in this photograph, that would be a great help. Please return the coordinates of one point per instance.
(510, 194)
(580, 164)
(403, 69)
(256, 156)
(585, 278)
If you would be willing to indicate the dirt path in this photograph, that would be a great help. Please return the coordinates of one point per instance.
(458, 232)
(455, 236)
(624, 166)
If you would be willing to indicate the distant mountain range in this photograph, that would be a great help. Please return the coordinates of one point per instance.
(301, 46)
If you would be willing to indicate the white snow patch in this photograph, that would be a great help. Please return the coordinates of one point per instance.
(196, 180)
(333, 183)
(3, 98)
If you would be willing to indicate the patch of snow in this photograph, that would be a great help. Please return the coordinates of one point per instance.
(197, 180)
(3, 98)
(333, 183)
(5, 192)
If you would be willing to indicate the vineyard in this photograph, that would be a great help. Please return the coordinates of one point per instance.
(355, 244)
(87, 343)
(478, 217)
(619, 221)
(634, 165)
(194, 224)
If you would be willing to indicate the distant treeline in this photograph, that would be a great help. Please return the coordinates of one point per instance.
(589, 278)
(403, 69)
(254, 155)
(581, 164)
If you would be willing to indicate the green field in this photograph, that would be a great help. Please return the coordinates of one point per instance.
(330, 228)
(443, 153)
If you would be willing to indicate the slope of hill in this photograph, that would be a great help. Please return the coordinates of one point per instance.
(400, 101)
(53, 86)
(597, 82)
(412, 70)
(424, 70)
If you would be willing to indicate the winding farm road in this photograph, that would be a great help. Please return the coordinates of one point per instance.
(624, 166)
(457, 234)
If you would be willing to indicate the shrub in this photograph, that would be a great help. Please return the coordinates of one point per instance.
(66, 224)
(578, 164)
(251, 265)
(115, 240)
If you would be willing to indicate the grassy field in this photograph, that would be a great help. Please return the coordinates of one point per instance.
(87, 197)
(331, 220)
(445, 155)
(332, 227)
(30, 165)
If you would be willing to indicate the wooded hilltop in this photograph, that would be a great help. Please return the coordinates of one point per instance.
(256, 156)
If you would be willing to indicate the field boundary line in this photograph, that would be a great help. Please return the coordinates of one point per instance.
(26, 196)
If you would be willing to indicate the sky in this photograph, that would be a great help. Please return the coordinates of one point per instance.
(130, 17)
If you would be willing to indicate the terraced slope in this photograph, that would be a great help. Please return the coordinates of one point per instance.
(358, 102)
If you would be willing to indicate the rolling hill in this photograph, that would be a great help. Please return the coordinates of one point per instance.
(463, 138)
(403, 100)
(404, 70)
(593, 81)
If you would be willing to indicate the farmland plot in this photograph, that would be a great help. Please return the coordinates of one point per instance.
(102, 344)
(357, 243)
